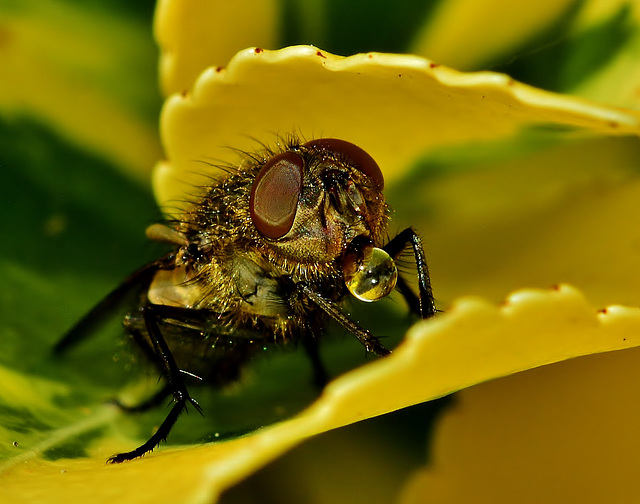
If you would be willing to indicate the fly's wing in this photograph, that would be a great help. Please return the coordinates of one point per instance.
(127, 291)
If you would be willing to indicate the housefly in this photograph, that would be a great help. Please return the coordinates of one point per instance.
(265, 255)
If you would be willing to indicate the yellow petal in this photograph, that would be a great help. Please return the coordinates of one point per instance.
(394, 106)
(194, 35)
(474, 342)
(562, 213)
(561, 433)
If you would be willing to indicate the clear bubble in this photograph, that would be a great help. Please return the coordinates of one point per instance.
(372, 276)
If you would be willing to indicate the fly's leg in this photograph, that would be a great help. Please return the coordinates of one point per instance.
(320, 376)
(151, 314)
(409, 296)
(157, 398)
(368, 340)
(425, 305)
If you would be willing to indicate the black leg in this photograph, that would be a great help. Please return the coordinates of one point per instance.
(369, 341)
(175, 383)
(409, 296)
(142, 343)
(159, 436)
(394, 248)
(320, 377)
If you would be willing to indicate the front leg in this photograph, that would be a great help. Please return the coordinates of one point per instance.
(368, 340)
(165, 361)
(320, 376)
(426, 304)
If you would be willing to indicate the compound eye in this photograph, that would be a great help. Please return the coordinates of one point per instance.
(274, 196)
(360, 159)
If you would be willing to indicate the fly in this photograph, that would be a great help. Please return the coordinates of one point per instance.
(265, 255)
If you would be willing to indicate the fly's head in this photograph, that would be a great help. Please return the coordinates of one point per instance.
(322, 203)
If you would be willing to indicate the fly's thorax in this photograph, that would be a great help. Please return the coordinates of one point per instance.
(262, 291)
(225, 276)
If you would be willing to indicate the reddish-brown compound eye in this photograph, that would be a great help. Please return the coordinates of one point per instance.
(360, 158)
(274, 196)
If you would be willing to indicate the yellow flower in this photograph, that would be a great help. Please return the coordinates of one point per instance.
(519, 194)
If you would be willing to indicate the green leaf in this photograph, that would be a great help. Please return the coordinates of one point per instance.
(354, 26)
(565, 62)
